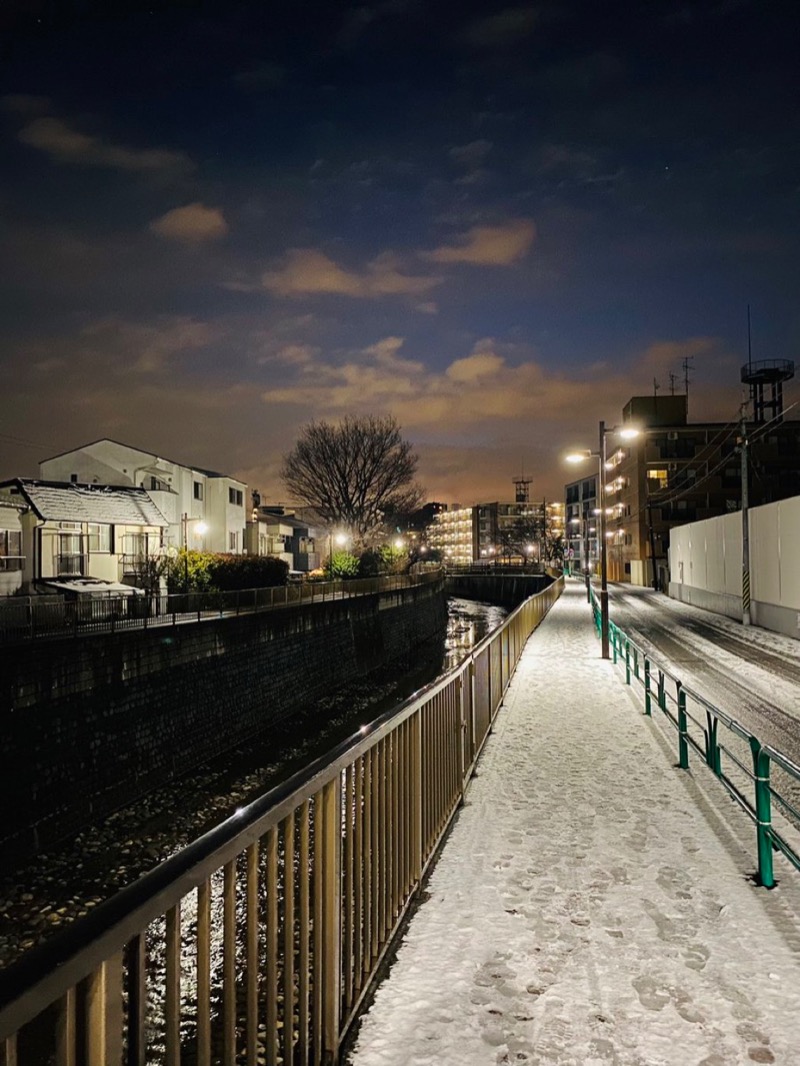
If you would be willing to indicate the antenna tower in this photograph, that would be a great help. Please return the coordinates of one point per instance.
(522, 489)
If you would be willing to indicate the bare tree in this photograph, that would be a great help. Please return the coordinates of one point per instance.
(353, 473)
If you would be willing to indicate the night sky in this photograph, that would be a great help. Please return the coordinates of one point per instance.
(221, 220)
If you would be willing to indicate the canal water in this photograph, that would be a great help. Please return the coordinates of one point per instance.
(57, 888)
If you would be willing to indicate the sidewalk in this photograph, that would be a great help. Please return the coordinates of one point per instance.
(593, 903)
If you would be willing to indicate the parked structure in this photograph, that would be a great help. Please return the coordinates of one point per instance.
(204, 509)
(71, 533)
(676, 472)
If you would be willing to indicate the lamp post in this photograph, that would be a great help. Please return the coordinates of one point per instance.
(627, 433)
(199, 530)
(341, 540)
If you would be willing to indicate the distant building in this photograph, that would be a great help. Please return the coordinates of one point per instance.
(71, 532)
(581, 521)
(279, 531)
(506, 532)
(204, 509)
(677, 471)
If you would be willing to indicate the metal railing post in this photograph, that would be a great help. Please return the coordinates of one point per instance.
(662, 692)
(627, 661)
(331, 918)
(763, 814)
(683, 746)
(713, 754)
(647, 694)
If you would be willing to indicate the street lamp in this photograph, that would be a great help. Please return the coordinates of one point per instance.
(341, 539)
(626, 433)
(199, 530)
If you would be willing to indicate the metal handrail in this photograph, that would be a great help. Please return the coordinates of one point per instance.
(674, 707)
(25, 619)
(309, 883)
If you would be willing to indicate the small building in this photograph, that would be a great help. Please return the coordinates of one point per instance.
(72, 532)
(279, 531)
(204, 509)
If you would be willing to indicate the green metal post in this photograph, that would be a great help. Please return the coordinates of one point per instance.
(713, 754)
(662, 694)
(636, 662)
(627, 661)
(614, 643)
(763, 815)
(683, 745)
(647, 696)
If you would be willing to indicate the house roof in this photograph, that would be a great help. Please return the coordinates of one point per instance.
(60, 501)
(142, 451)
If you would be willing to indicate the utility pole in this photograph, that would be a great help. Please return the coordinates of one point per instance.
(745, 523)
(652, 542)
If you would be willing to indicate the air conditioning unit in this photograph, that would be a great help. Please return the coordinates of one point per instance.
(672, 435)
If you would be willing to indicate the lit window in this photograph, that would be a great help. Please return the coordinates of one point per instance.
(657, 479)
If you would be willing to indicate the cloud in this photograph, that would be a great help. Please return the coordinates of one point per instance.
(191, 224)
(25, 104)
(488, 245)
(502, 30)
(264, 76)
(308, 271)
(147, 348)
(65, 144)
(470, 155)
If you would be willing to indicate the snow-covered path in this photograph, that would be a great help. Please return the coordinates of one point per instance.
(593, 903)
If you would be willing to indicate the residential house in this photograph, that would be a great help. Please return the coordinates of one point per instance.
(278, 531)
(71, 532)
(204, 509)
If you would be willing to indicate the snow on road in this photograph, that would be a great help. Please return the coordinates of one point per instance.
(593, 904)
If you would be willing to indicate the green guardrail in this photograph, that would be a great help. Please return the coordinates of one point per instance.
(726, 758)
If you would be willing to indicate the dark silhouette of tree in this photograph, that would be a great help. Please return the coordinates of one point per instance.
(353, 473)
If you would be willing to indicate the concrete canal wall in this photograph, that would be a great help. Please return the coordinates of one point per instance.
(92, 723)
(507, 590)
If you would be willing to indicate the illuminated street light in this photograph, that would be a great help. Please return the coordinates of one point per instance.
(200, 530)
(627, 433)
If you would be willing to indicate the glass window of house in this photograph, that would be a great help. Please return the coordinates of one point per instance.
(99, 538)
(198, 490)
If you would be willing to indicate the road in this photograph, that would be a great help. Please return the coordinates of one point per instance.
(750, 673)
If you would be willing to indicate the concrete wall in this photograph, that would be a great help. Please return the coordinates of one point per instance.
(91, 724)
(706, 565)
(508, 590)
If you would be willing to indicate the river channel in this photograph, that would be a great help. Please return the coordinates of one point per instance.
(39, 899)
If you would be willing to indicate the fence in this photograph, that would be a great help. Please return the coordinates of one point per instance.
(259, 942)
(697, 724)
(28, 618)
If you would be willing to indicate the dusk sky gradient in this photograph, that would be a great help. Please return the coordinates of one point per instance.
(497, 223)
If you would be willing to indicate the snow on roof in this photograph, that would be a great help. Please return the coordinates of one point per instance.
(109, 504)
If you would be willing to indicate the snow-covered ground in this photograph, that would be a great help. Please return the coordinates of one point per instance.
(593, 904)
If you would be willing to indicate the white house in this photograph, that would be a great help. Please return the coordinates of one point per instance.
(204, 509)
(73, 532)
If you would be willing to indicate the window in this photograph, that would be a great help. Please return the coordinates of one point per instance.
(10, 549)
(198, 490)
(99, 538)
(235, 496)
(233, 541)
(657, 479)
(73, 478)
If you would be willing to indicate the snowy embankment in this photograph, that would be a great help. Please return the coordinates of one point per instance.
(593, 903)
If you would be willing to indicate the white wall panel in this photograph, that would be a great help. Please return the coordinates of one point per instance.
(789, 550)
(765, 581)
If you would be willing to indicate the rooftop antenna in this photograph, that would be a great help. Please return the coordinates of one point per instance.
(687, 366)
(749, 348)
(671, 383)
(522, 489)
